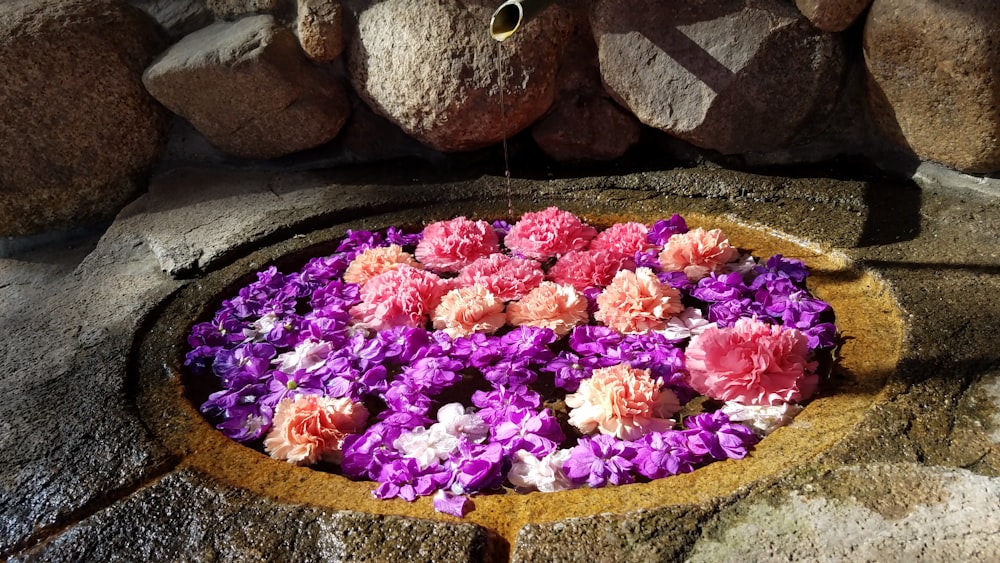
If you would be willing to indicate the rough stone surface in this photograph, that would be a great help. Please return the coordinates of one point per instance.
(186, 515)
(78, 130)
(247, 87)
(730, 76)
(433, 71)
(933, 86)
(81, 478)
(320, 27)
(832, 15)
(229, 9)
(864, 513)
(177, 17)
(584, 123)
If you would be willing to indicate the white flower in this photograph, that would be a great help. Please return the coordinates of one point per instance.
(427, 446)
(258, 329)
(453, 419)
(689, 322)
(309, 355)
(762, 419)
(545, 475)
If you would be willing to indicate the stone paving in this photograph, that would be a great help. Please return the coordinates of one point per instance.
(100, 461)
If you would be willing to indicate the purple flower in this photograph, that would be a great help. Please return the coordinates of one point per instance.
(662, 230)
(336, 294)
(823, 335)
(476, 467)
(359, 241)
(432, 375)
(366, 453)
(247, 423)
(405, 479)
(323, 269)
(495, 406)
(477, 349)
(404, 344)
(502, 228)
(288, 385)
(404, 396)
(244, 364)
(676, 280)
(601, 460)
(448, 503)
(395, 235)
(229, 400)
(726, 313)
(536, 432)
(713, 437)
(647, 259)
(720, 287)
(591, 340)
(570, 369)
(508, 372)
(529, 343)
(664, 453)
(794, 270)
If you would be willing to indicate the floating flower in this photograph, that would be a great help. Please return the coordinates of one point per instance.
(714, 437)
(601, 460)
(753, 363)
(312, 427)
(697, 253)
(546, 474)
(637, 302)
(622, 239)
(466, 310)
(377, 260)
(660, 454)
(550, 305)
(448, 246)
(506, 277)
(762, 419)
(623, 402)
(552, 232)
(586, 268)
(401, 297)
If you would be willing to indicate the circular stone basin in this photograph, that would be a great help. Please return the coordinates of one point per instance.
(866, 315)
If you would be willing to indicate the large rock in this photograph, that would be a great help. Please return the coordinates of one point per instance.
(832, 15)
(248, 88)
(320, 27)
(934, 78)
(731, 76)
(433, 70)
(228, 9)
(78, 131)
(584, 123)
(177, 17)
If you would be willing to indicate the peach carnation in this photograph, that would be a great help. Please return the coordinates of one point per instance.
(623, 402)
(507, 278)
(447, 246)
(401, 297)
(548, 233)
(637, 302)
(622, 239)
(550, 305)
(752, 363)
(312, 428)
(466, 310)
(697, 253)
(586, 268)
(378, 260)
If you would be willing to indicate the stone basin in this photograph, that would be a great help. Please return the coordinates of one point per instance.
(867, 315)
(897, 455)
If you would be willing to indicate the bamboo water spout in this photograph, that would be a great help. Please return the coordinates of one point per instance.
(509, 17)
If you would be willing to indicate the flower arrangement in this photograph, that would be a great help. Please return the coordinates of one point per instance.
(540, 356)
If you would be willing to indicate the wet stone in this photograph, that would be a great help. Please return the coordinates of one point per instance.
(184, 515)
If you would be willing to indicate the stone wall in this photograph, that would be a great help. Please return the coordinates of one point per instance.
(89, 87)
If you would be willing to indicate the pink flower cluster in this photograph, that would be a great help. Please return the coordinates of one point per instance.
(313, 427)
(622, 402)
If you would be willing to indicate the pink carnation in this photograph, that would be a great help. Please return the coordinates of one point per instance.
(377, 260)
(586, 268)
(623, 402)
(637, 302)
(550, 305)
(697, 253)
(447, 246)
(548, 233)
(622, 239)
(469, 309)
(401, 297)
(752, 363)
(312, 428)
(507, 278)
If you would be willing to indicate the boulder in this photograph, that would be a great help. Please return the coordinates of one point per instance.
(78, 132)
(584, 123)
(248, 88)
(433, 71)
(177, 17)
(731, 76)
(832, 15)
(934, 79)
(229, 9)
(320, 27)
